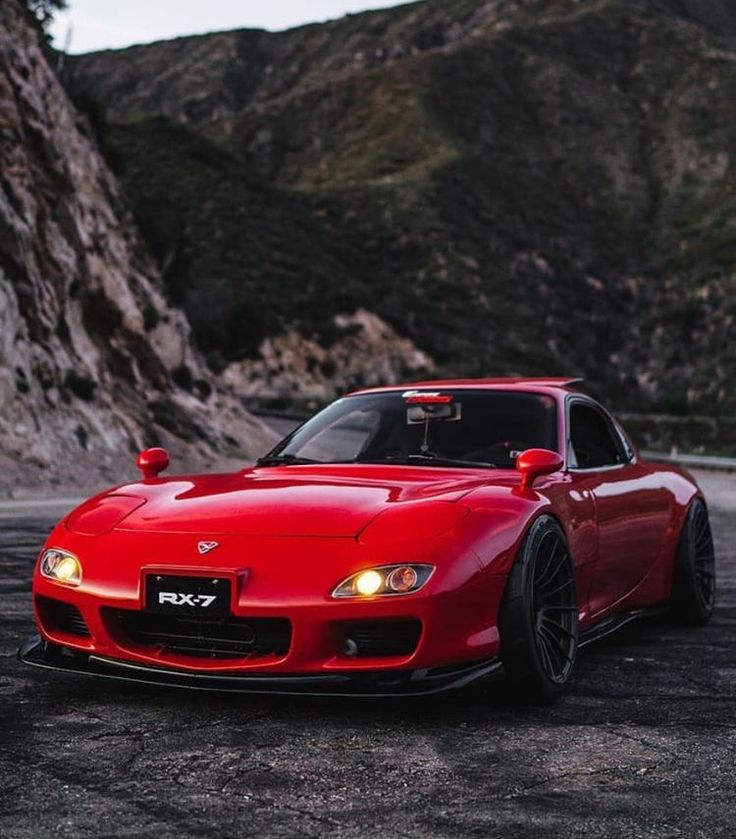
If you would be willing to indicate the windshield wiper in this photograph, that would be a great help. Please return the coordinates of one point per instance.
(432, 460)
(284, 460)
(446, 461)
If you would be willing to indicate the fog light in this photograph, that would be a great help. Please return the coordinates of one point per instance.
(402, 579)
(62, 567)
(350, 648)
(368, 583)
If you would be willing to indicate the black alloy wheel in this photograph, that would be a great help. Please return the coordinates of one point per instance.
(694, 578)
(554, 607)
(538, 620)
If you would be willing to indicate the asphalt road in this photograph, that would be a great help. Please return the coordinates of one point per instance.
(644, 744)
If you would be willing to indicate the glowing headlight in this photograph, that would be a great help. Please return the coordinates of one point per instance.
(386, 580)
(62, 567)
(368, 583)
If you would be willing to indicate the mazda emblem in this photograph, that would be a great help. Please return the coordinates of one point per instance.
(206, 547)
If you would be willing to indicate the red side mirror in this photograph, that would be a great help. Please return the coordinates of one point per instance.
(536, 462)
(151, 462)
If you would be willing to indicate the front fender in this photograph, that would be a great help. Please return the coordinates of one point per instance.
(498, 523)
(501, 517)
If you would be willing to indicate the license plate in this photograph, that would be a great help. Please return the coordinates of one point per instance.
(202, 597)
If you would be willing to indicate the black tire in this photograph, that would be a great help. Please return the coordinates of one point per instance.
(538, 619)
(694, 577)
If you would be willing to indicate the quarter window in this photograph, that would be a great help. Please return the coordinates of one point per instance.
(592, 439)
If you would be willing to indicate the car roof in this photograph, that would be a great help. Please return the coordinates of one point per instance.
(509, 383)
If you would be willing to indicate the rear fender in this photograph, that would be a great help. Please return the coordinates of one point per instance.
(656, 587)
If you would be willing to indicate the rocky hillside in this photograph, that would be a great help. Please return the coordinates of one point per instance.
(94, 364)
(513, 186)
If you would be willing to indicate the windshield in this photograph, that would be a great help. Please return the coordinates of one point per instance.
(452, 427)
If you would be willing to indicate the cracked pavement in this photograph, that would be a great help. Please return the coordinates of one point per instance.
(643, 745)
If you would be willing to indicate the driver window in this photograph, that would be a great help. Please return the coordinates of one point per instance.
(591, 438)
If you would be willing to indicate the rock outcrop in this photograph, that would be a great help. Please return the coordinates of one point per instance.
(94, 364)
(295, 371)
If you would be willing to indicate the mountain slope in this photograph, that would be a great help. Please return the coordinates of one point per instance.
(94, 364)
(516, 187)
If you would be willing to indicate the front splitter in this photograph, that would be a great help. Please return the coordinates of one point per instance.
(376, 683)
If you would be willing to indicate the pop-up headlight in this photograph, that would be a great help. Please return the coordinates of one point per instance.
(100, 516)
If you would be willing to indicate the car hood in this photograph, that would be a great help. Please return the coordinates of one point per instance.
(280, 501)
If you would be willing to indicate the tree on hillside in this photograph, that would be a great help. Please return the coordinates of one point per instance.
(44, 10)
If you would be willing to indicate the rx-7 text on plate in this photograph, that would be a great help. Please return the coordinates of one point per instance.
(405, 540)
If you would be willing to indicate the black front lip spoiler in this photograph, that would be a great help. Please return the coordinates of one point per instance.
(39, 653)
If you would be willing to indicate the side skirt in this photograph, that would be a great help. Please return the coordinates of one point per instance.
(613, 623)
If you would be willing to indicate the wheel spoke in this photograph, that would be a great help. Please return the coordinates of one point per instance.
(560, 587)
(552, 577)
(704, 545)
(704, 556)
(554, 607)
(543, 578)
(702, 531)
(703, 537)
(557, 627)
(545, 654)
(559, 658)
(557, 644)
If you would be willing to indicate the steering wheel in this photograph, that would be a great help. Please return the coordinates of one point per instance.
(503, 453)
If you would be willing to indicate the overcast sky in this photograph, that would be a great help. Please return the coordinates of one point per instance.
(101, 24)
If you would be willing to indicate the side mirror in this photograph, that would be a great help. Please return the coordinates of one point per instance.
(151, 462)
(533, 463)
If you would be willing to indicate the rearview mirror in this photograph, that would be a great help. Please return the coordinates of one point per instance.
(416, 414)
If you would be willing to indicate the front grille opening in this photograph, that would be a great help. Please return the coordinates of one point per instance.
(381, 638)
(57, 616)
(202, 638)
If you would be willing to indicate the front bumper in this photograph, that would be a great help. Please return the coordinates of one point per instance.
(420, 682)
(273, 580)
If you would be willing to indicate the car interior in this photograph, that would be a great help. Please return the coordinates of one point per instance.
(592, 439)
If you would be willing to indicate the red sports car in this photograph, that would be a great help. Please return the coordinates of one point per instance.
(405, 540)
